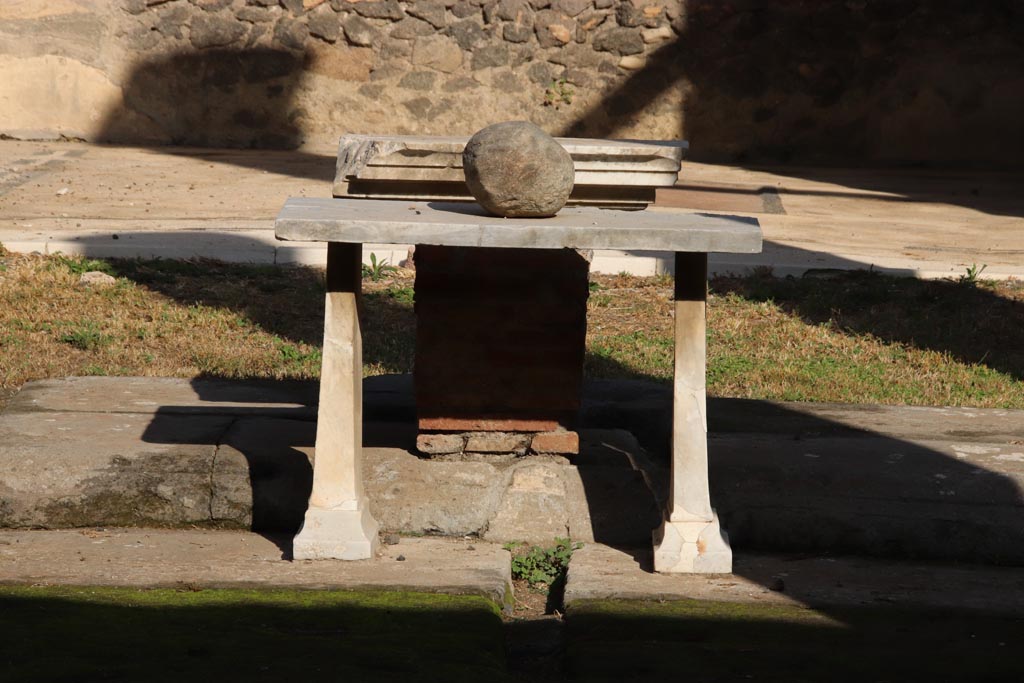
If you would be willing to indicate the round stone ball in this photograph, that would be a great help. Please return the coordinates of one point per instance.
(515, 169)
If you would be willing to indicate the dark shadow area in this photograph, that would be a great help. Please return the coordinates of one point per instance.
(623, 641)
(927, 191)
(212, 98)
(785, 477)
(797, 478)
(255, 635)
(865, 492)
(901, 84)
(268, 442)
(294, 163)
(622, 509)
(223, 100)
(967, 320)
(463, 208)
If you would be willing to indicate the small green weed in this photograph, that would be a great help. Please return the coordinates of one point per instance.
(970, 277)
(541, 567)
(558, 93)
(87, 337)
(80, 264)
(403, 295)
(377, 269)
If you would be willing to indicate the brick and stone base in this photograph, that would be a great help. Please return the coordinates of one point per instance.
(500, 340)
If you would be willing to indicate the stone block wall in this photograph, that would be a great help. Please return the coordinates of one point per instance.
(835, 81)
(280, 74)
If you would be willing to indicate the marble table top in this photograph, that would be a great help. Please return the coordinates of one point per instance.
(466, 224)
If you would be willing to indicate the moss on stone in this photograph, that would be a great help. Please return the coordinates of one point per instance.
(252, 635)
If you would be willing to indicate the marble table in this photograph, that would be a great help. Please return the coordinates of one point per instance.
(338, 523)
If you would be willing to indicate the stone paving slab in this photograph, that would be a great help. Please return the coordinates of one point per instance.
(176, 202)
(272, 398)
(236, 559)
(62, 469)
(641, 407)
(149, 395)
(600, 572)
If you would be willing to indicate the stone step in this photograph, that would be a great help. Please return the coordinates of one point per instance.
(193, 559)
(172, 464)
(599, 572)
(930, 483)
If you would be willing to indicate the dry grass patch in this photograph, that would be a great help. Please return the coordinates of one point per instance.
(856, 338)
(183, 319)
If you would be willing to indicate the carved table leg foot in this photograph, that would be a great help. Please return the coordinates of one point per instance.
(692, 547)
(336, 534)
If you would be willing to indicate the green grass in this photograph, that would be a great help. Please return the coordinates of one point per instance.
(541, 567)
(122, 634)
(86, 337)
(78, 265)
(709, 641)
(857, 337)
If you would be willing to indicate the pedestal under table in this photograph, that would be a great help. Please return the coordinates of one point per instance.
(338, 523)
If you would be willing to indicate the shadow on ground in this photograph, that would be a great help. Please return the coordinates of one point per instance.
(258, 635)
(285, 301)
(623, 641)
(854, 497)
(783, 478)
(964, 319)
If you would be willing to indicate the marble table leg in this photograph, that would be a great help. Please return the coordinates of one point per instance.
(690, 539)
(338, 523)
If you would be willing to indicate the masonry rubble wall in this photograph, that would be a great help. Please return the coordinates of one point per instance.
(833, 81)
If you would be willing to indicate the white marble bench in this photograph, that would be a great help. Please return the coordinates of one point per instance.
(338, 523)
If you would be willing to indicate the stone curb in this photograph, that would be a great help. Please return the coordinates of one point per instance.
(599, 572)
(194, 559)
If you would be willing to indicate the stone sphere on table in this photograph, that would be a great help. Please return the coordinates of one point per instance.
(515, 169)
